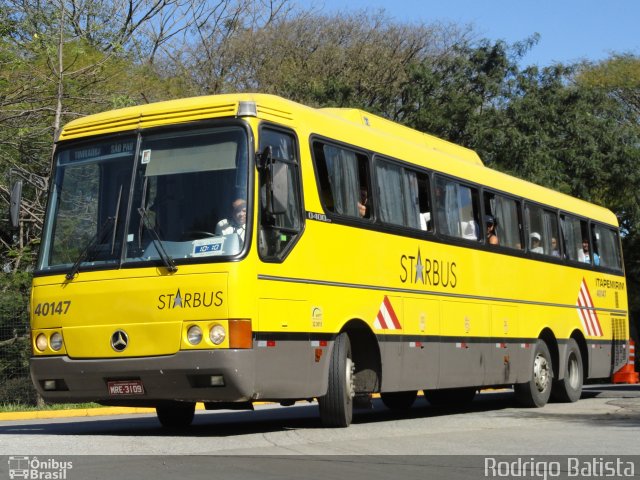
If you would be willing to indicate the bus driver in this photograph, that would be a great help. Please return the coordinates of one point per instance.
(237, 222)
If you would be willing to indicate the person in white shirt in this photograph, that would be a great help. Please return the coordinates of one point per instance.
(238, 221)
(583, 253)
(536, 246)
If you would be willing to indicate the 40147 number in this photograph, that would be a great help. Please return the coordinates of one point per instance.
(52, 308)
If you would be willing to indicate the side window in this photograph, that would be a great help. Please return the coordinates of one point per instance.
(503, 222)
(343, 180)
(606, 247)
(403, 196)
(575, 237)
(457, 209)
(280, 199)
(543, 231)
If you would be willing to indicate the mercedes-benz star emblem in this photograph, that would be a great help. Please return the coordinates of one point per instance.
(119, 340)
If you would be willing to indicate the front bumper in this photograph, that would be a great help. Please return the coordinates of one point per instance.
(182, 376)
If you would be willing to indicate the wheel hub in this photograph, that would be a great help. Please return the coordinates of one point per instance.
(541, 373)
(350, 378)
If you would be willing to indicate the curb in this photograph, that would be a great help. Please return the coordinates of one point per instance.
(80, 412)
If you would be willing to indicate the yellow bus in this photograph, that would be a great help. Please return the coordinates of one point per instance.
(238, 248)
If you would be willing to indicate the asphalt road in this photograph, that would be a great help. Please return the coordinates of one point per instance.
(379, 442)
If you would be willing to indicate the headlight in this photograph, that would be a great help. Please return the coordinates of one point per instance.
(55, 342)
(41, 342)
(217, 334)
(194, 335)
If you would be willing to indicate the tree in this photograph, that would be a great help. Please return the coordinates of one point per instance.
(355, 60)
(453, 95)
(618, 75)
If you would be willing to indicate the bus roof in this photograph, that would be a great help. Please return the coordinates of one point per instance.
(382, 125)
(360, 128)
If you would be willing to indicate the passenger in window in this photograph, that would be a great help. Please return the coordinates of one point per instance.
(363, 203)
(535, 243)
(237, 222)
(583, 253)
(492, 236)
(555, 251)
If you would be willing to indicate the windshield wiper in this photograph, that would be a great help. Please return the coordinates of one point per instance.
(164, 256)
(115, 221)
(97, 238)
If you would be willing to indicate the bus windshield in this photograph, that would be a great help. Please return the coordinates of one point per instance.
(187, 202)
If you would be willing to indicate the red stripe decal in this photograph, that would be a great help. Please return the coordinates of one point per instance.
(380, 318)
(392, 313)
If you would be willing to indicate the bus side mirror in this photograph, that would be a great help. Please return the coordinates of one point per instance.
(265, 158)
(276, 182)
(14, 204)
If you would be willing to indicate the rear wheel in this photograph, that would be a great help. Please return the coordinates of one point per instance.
(399, 400)
(450, 397)
(569, 388)
(176, 414)
(536, 392)
(336, 407)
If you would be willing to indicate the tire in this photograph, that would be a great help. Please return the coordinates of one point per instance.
(569, 388)
(336, 407)
(536, 392)
(176, 414)
(399, 400)
(450, 397)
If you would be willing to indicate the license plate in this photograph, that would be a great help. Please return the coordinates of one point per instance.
(125, 387)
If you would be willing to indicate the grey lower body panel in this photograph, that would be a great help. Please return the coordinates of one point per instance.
(439, 362)
(454, 363)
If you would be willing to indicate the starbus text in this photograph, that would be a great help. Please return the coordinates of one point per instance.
(427, 271)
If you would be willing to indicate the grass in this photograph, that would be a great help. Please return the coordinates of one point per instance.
(20, 407)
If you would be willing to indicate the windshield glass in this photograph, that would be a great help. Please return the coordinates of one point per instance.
(190, 195)
(188, 200)
(88, 203)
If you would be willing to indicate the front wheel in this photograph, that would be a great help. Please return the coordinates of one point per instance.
(569, 388)
(536, 392)
(336, 407)
(176, 414)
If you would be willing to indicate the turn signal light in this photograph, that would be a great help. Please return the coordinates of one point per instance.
(240, 333)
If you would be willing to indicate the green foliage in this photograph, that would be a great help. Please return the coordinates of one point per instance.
(454, 95)
(618, 76)
(14, 289)
(564, 136)
(25, 407)
(14, 339)
(17, 391)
